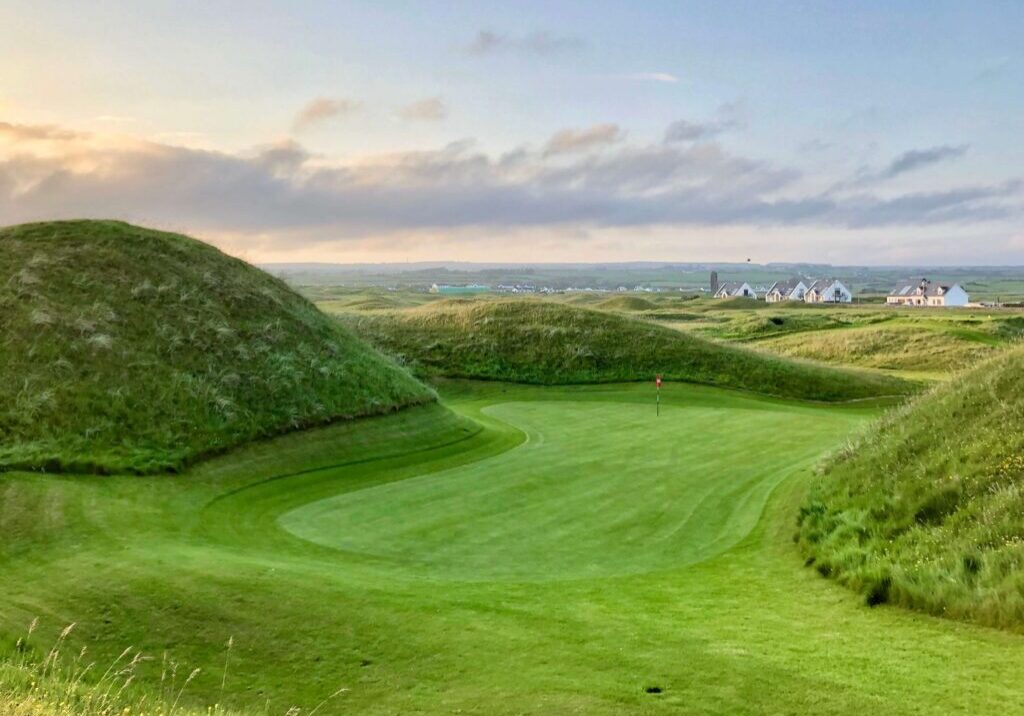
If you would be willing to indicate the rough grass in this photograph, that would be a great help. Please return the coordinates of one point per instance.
(780, 319)
(926, 510)
(55, 680)
(897, 347)
(627, 303)
(549, 343)
(125, 349)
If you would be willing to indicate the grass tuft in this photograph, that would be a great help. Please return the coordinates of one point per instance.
(58, 681)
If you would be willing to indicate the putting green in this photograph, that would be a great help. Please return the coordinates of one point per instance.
(597, 489)
(527, 551)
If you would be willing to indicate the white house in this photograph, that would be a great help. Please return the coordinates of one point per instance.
(734, 289)
(828, 290)
(925, 293)
(791, 290)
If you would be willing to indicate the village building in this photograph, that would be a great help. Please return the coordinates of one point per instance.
(448, 290)
(792, 290)
(926, 293)
(828, 290)
(735, 289)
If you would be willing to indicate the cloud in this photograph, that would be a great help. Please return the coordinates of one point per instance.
(729, 117)
(283, 158)
(906, 162)
(954, 206)
(683, 130)
(431, 109)
(814, 146)
(37, 132)
(321, 109)
(282, 191)
(578, 140)
(649, 77)
(993, 69)
(115, 119)
(488, 42)
(917, 158)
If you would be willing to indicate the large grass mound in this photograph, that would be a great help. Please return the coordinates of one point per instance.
(927, 509)
(548, 343)
(128, 349)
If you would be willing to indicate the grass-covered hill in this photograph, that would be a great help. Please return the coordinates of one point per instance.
(542, 342)
(895, 347)
(126, 349)
(627, 303)
(926, 510)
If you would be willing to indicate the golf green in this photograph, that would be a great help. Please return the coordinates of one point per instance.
(596, 489)
(517, 550)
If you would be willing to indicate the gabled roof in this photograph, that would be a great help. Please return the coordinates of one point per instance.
(822, 283)
(732, 286)
(786, 287)
(929, 289)
(938, 290)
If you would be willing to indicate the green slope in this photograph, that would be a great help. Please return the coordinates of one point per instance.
(549, 343)
(926, 510)
(124, 348)
(735, 627)
(894, 347)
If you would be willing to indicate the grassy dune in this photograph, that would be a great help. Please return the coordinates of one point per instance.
(925, 510)
(549, 343)
(896, 347)
(676, 590)
(125, 349)
(627, 303)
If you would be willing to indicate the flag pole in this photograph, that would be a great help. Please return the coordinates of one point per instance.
(657, 402)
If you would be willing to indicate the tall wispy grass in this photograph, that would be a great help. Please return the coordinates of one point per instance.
(54, 680)
(926, 509)
(889, 347)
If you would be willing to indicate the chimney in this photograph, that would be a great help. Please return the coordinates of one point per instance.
(714, 282)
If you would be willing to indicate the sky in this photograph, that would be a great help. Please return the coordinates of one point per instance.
(867, 133)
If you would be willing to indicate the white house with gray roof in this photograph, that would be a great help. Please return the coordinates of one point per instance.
(792, 290)
(735, 289)
(828, 290)
(926, 293)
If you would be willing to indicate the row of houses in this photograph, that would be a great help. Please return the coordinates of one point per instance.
(830, 290)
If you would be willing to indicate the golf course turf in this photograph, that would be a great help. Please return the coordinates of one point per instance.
(442, 560)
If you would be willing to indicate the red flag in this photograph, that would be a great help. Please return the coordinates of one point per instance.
(657, 381)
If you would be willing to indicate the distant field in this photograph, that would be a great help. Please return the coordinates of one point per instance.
(1004, 283)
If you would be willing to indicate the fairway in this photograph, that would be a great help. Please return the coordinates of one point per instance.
(515, 550)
